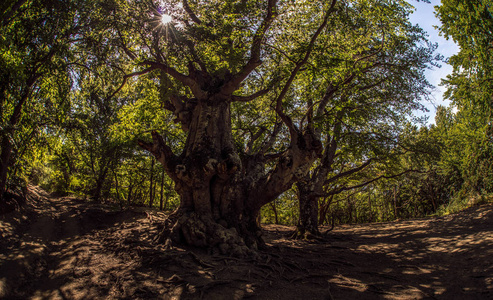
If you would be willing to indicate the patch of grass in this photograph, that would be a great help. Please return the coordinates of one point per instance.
(461, 202)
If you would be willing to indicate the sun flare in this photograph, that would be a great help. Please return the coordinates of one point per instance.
(165, 19)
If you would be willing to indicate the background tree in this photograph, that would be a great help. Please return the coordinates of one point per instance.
(35, 48)
(470, 87)
(357, 101)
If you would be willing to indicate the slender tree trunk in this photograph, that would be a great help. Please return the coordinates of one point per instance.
(369, 207)
(4, 163)
(129, 194)
(26, 145)
(151, 184)
(350, 209)
(310, 190)
(166, 199)
(274, 208)
(117, 189)
(312, 187)
(6, 152)
(161, 193)
(324, 210)
(394, 203)
(99, 184)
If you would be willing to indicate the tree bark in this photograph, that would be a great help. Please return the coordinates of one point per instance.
(308, 223)
(221, 194)
(311, 189)
(151, 184)
(370, 208)
(274, 209)
(99, 184)
(214, 209)
(4, 163)
(161, 192)
(324, 208)
(129, 194)
(394, 203)
(7, 135)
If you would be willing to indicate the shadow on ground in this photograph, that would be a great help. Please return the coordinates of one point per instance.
(63, 248)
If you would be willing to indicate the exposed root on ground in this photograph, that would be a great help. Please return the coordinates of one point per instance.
(202, 231)
(67, 248)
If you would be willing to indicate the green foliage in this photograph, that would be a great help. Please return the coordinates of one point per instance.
(281, 211)
(468, 132)
(34, 80)
(469, 24)
(69, 86)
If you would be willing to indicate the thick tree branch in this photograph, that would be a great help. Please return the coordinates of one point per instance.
(347, 188)
(271, 156)
(182, 109)
(254, 60)
(190, 12)
(163, 153)
(16, 114)
(294, 73)
(195, 56)
(186, 80)
(331, 148)
(125, 79)
(168, 70)
(178, 38)
(250, 97)
(309, 115)
(329, 93)
(272, 139)
(348, 172)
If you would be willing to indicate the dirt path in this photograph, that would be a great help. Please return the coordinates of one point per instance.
(63, 248)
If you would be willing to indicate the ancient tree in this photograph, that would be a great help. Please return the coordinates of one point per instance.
(220, 61)
(222, 187)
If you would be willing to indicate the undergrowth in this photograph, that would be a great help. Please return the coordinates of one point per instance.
(461, 202)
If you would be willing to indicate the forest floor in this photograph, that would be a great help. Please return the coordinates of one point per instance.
(65, 248)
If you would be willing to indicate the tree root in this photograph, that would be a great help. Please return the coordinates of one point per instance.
(307, 235)
(203, 231)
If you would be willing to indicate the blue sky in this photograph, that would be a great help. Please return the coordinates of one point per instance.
(425, 17)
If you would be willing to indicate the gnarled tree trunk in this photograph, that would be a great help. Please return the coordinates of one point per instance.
(221, 193)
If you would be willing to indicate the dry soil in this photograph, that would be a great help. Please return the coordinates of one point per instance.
(65, 248)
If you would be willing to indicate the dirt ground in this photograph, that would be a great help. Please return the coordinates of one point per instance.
(64, 248)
